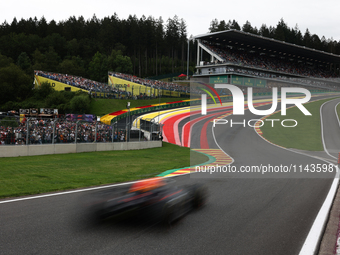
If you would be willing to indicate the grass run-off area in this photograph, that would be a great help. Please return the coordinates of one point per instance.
(305, 136)
(39, 174)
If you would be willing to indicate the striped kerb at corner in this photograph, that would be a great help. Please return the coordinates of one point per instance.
(219, 157)
(231, 112)
(257, 127)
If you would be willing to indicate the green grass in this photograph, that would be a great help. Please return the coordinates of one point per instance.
(101, 107)
(39, 174)
(305, 136)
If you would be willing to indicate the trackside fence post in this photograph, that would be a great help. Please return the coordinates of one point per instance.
(27, 130)
(76, 134)
(112, 132)
(53, 134)
(95, 132)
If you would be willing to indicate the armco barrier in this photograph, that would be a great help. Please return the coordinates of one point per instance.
(35, 150)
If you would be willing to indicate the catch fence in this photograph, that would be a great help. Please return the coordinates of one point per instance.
(30, 131)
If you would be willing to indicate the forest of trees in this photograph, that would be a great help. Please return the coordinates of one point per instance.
(143, 47)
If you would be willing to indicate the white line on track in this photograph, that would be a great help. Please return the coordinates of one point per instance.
(322, 133)
(336, 113)
(313, 239)
(65, 192)
(75, 191)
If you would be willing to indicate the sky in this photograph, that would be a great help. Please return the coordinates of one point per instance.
(320, 17)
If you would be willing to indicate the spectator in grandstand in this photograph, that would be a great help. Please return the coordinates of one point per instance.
(79, 82)
(151, 83)
(265, 62)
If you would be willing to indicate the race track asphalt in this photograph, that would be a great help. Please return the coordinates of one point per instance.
(245, 214)
(331, 128)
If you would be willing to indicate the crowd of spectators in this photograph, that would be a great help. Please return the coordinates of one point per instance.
(79, 82)
(47, 131)
(94, 87)
(317, 83)
(264, 61)
(152, 83)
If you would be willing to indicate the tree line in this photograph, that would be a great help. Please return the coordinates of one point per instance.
(142, 46)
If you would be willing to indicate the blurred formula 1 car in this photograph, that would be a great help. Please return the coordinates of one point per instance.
(155, 198)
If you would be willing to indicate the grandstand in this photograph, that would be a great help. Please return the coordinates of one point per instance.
(73, 83)
(119, 86)
(140, 88)
(244, 59)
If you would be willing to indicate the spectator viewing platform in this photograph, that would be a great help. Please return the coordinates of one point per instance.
(230, 54)
(140, 88)
(74, 83)
(151, 83)
(119, 85)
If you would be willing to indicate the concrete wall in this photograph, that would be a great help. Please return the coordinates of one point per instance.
(34, 150)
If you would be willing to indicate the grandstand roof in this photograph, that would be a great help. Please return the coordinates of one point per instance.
(236, 37)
